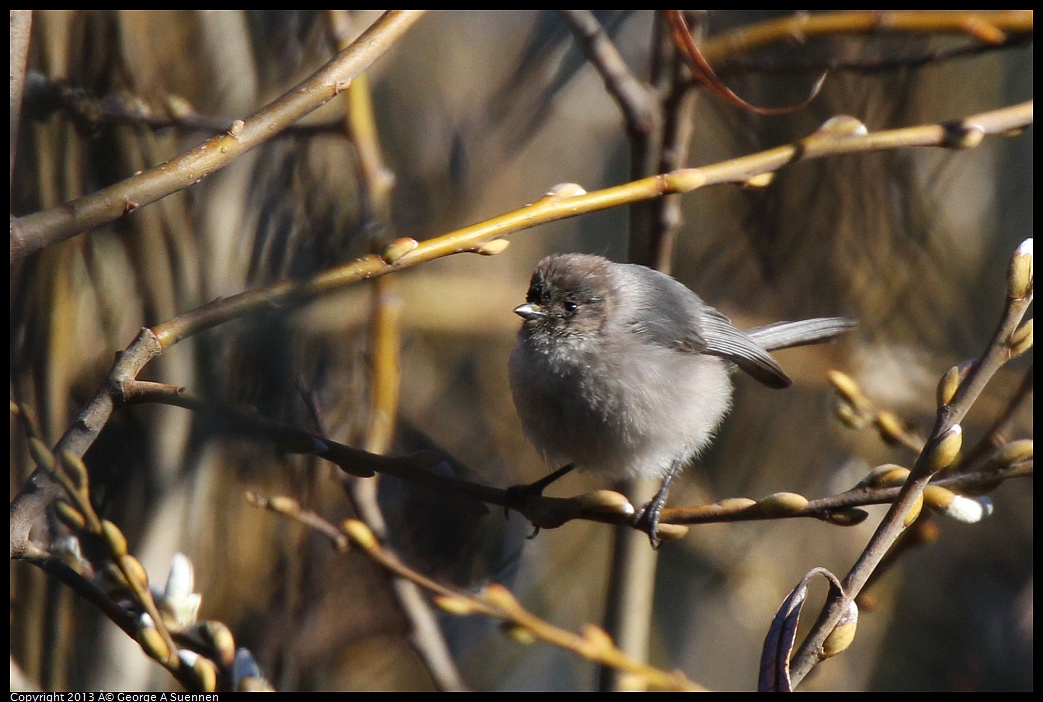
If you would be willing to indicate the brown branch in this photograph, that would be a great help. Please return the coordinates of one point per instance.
(40, 489)
(880, 486)
(129, 622)
(835, 509)
(635, 99)
(994, 437)
(376, 181)
(988, 27)
(627, 611)
(860, 66)
(495, 601)
(103, 541)
(679, 127)
(940, 451)
(89, 112)
(36, 231)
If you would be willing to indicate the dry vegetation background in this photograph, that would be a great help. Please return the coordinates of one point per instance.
(477, 114)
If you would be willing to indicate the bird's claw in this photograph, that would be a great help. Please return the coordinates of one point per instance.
(647, 520)
(516, 495)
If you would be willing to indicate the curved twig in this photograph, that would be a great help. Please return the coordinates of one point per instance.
(35, 231)
(940, 451)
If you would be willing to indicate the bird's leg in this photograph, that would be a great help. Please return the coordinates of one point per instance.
(517, 494)
(647, 520)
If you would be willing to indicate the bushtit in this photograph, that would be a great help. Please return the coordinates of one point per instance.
(623, 371)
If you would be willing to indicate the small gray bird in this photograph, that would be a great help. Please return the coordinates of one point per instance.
(623, 371)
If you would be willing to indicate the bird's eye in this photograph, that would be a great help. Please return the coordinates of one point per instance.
(571, 306)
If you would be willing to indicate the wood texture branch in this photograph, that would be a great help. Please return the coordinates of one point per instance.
(936, 455)
(35, 231)
(494, 601)
(989, 27)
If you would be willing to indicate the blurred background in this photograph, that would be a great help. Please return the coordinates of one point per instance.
(478, 113)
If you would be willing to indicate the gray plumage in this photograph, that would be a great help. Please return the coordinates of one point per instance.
(622, 370)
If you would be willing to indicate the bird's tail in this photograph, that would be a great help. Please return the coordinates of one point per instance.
(783, 335)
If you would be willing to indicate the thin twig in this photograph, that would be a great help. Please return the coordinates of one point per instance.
(705, 75)
(943, 441)
(494, 601)
(636, 101)
(992, 28)
(603, 506)
(21, 23)
(36, 231)
(857, 65)
(994, 437)
(676, 141)
(627, 613)
(376, 182)
(90, 112)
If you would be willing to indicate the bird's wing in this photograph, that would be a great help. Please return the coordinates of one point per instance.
(667, 313)
(721, 338)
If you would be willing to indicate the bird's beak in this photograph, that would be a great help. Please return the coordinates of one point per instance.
(529, 311)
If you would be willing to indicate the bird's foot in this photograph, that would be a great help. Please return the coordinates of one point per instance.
(517, 495)
(647, 520)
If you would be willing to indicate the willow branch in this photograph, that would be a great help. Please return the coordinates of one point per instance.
(857, 65)
(988, 27)
(881, 486)
(35, 231)
(494, 601)
(940, 451)
(993, 438)
(92, 112)
(477, 238)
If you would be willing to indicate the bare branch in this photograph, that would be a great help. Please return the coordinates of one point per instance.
(44, 228)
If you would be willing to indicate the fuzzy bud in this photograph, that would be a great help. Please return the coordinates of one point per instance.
(69, 515)
(606, 501)
(850, 516)
(1019, 275)
(1020, 340)
(962, 509)
(397, 249)
(781, 504)
(114, 537)
(454, 604)
(360, 534)
(944, 451)
(948, 385)
(914, 511)
(885, 476)
(671, 532)
(153, 644)
(843, 125)
(1013, 453)
(843, 634)
(491, 248)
